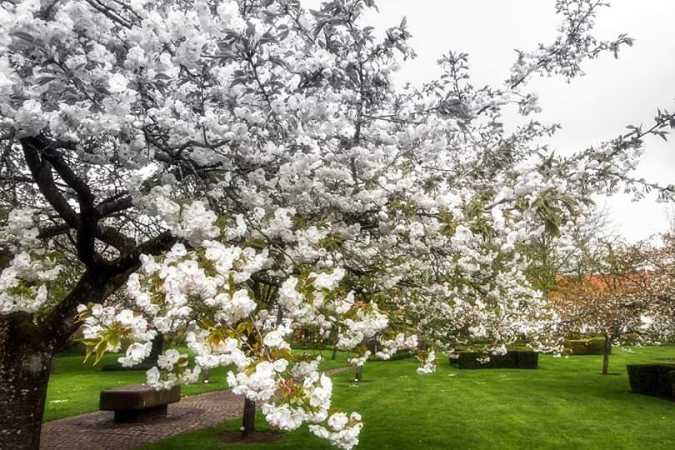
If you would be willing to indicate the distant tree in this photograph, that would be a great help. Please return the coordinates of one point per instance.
(662, 285)
(670, 214)
(565, 252)
(623, 294)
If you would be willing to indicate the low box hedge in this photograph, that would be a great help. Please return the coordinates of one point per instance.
(528, 359)
(402, 354)
(585, 346)
(513, 359)
(652, 379)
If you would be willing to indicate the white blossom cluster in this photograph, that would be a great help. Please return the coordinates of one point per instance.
(429, 365)
(342, 430)
(359, 361)
(259, 164)
(25, 281)
(389, 347)
(366, 324)
(201, 292)
(23, 284)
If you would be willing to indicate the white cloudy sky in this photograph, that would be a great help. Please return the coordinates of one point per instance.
(613, 94)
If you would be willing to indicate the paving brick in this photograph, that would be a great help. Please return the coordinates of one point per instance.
(98, 431)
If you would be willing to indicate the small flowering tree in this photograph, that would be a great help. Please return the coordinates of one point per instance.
(661, 261)
(244, 168)
(624, 297)
(489, 309)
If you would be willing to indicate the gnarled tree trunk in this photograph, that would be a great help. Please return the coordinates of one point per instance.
(24, 374)
(28, 342)
(27, 346)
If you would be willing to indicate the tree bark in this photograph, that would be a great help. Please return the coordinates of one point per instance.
(248, 419)
(24, 375)
(358, 373)
(334, 338)
(28, 342)
(27, 346)
(156, 351)
(605, 355)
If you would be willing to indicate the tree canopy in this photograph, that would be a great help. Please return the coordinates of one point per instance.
(247, 168)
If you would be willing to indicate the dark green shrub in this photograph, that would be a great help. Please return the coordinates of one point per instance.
(586, 346)
(528, 360)
(670, 378)
(469, 360)
(513, 359)
(652, 379)
(402, 354)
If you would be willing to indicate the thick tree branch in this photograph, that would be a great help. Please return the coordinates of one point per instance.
(114, 205)
(41, 158)
(94, 286)
(42, 174)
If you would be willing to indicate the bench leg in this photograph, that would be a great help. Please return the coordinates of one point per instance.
(137, 415)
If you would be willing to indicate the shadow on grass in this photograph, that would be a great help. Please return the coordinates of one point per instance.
(257, 437)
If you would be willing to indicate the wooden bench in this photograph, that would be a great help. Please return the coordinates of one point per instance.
(137, 402)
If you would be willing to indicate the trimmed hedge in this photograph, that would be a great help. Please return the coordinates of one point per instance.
(402, 354)
(652, 379)
(513, 359)
(528, 360)
(586, 346)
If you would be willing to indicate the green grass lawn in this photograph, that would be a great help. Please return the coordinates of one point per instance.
(74, 387)
(565, 404)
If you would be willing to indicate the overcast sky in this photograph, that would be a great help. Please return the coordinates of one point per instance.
(597, 107)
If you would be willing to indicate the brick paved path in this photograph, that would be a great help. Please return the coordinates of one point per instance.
(97, 431)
